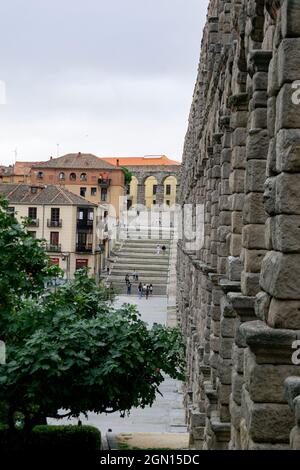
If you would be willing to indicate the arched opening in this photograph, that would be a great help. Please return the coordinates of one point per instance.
(150, 191)
(61, 176)
(170, 189)
(83, 177)
(73, 177)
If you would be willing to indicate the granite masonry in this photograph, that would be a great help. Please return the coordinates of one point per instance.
(239, 295)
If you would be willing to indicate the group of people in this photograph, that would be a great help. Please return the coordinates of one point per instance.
(143, 289)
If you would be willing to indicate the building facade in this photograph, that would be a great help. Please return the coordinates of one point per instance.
(85, 175)
(239, 295)
(66, 222)
(155, 180)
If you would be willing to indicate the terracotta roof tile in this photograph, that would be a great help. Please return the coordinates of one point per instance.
(46, 195)
(142, 161)
(77, 161)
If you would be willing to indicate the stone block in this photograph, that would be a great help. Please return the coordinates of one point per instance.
(238, 359)
(268, 233)
(271, 159)
(287, 116)
(250, 284)
(254, 210)
(257, 145)
(262, 304)
(265, 382)
(253, 260)
(255, 176)
(288, 61)
(280, 275)
(288, 150)
(271, 116)
(239, 137)
(284, 314)
(237, 202)
(236, 181)
(288, 194)
(267, 422)
(290, 18)
(235, 245)
(286, 233)
(259, 118)
(254, 236)
(237, 387)
(238, 158)
(260, 81)
(226, 348)
(236, 222)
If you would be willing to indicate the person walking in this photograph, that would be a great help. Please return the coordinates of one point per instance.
(164, 249)
(158, 250)
(129, 288)
(151, 289)
(147, 292)
(127, 280)
(144, 289)
(140, 289)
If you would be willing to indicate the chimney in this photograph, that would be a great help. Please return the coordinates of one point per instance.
(79, 154)
(118, 162)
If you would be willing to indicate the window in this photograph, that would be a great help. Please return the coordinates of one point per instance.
(91, 215)
(73, 176)
(32, 213)
(154, 189)
(54, 238)
(82, 192)
(40, 175)
(55, 213)
(81, 263)
(93, 191)
(11, 211)
(154, 202)
(83, 177)
(54, 261)
(168, 189)
(32, 234)
(61, 176)
(104, 194)
(168, 202)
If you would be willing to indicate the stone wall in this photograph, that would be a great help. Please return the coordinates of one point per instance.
(239, 295)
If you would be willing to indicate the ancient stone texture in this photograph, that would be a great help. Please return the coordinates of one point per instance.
(239, 296)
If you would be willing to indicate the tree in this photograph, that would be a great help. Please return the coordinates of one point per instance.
(128, 175)
(70, 350)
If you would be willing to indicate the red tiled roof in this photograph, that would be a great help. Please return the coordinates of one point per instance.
(142, 161)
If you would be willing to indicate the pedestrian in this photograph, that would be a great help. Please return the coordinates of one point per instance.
(127, 279)
(147, 292)
(164, 249)
(158, 250)
(144, 289)
(140, 289)
(129, 288)
(151, 289)
(137, 276)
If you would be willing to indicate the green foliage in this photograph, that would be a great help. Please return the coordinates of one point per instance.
(69, 349)
(44, 438)
(128, 175)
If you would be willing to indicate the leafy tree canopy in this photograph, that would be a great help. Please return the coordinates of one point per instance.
(68, 349)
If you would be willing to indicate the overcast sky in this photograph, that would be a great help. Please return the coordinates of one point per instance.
(110, 77)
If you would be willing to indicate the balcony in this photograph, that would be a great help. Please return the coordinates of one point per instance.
(53, 248)
(85, 224)
(33, 223)
(84, 248)
(54, 223)
(104, 183)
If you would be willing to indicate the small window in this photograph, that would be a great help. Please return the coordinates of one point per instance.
(55, 213)
(32, 213)
(81, 263)
(168, 189)
(104, 194)
(82, 192)
(93, 191)
(154, 189)
(91, 215)
(83, 177)
(154, 202)
(32, 234)
(54, 238)
(168, 202)
(11, 210)
(40, 175)
(73, 177)
(61, 176)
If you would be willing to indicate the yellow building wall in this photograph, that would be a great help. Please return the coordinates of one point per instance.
(113, 195)
(172, 181)
(149, 196)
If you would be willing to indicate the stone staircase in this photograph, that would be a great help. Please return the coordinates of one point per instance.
(139, 254)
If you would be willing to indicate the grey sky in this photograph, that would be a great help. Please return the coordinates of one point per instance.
(111, 77)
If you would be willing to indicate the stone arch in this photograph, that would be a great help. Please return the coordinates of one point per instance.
(133, 192)
(170, 190)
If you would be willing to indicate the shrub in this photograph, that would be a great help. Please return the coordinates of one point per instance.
(44, 438)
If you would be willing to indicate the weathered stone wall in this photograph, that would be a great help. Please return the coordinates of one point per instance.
(239, 296)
